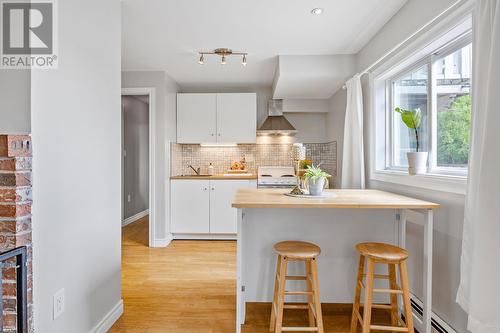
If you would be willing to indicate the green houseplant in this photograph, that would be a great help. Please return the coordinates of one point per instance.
(417, 160)
(315, 178)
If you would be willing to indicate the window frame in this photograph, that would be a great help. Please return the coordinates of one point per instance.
(420, 46)
(431, 140)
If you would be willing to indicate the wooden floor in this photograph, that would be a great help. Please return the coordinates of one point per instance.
(190, 287)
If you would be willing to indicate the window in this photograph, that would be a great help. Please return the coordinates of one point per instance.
(439, 85)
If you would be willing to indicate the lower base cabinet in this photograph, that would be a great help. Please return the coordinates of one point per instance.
(203, 207)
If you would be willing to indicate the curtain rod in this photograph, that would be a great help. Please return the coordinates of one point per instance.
(394, 49)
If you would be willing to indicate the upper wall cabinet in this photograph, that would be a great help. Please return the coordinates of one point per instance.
(237, 118)
(196, 118)
(216, 118)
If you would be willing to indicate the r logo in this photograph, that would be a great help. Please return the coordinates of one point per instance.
(27, 28)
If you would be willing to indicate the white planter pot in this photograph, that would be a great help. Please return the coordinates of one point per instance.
(316, 186)
(417, 162)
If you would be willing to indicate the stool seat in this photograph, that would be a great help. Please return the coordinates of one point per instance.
(382, 252)
(297, 249)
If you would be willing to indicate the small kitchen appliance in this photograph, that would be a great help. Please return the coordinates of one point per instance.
(276, 177)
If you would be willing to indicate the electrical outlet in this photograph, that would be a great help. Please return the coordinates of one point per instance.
(129, 198)
(58, 303)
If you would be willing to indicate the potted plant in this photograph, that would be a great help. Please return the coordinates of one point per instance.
(316, 179)
(417, 160)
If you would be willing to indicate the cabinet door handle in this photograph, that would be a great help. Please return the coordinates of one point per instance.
(219, 134)
(204, 189)
(212, 134)
(213, 188)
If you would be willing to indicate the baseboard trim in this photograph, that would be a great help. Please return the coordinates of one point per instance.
(109, 319)
(205, 236)
(135, 217)
(163, 242)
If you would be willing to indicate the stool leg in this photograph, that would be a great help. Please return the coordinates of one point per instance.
(310, 299)
(394, 297)
(357, 294)
(367, 307)
(281, 295)
(274, 304)
(317, 301)
(406, 296)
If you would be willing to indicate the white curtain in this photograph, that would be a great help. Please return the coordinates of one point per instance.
(353, 163)
(479, 293)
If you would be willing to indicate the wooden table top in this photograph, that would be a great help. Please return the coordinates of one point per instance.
(362, 199)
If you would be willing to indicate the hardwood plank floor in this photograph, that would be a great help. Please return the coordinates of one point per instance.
(189, 286)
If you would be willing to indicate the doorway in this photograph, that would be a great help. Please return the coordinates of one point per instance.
(137, 188)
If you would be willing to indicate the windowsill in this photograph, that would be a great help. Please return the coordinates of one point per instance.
(436, 182)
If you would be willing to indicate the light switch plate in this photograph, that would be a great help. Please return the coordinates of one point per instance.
(58, 303)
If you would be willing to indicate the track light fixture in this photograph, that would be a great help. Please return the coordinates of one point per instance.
(224, 53)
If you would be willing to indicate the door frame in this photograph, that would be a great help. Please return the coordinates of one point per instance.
(149, 91)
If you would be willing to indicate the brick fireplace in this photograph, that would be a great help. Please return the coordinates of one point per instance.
(15, 221)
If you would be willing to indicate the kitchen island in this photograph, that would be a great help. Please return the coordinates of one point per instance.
(336, 222)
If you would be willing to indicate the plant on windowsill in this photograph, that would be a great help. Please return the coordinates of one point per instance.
(316, 179)
(417, 160)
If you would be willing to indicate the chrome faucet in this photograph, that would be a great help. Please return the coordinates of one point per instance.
(197, 170)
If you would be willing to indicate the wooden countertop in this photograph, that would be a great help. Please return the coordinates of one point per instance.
(275, 198)
(218, 177)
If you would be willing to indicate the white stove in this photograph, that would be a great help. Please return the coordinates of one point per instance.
(276, 176)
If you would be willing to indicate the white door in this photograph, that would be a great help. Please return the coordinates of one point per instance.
(236, 118)
(196, 118)
(190, 206)
(222, 215)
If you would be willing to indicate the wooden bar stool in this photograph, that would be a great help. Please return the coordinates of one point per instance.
(379, 253)
(296, 251)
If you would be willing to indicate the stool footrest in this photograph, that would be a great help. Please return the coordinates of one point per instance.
(302, 278)
(298, 292)
(379, 276)
(381, 290)
(295, 306)
(389, 328)
(299, 329)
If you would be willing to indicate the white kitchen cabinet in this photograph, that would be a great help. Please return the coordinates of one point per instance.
(222, 215)
(216, 118)
(190, 206)
(196, 118)
(236, 118)
(202, 208)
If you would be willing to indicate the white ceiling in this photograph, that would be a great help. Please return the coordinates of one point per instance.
(166, 35)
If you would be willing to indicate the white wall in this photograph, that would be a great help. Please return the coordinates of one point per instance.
(335, 127)
(410, 18)
(165, 114)
(311, 126)
(15, 101)
(311, 76)
(75, 112)
(449, 218)
(135, 113)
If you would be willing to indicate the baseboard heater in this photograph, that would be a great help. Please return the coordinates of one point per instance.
(438, 325)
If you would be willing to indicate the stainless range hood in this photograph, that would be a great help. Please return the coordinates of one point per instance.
(276, 123)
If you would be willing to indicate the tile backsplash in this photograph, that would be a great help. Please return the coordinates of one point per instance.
(255, 154)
